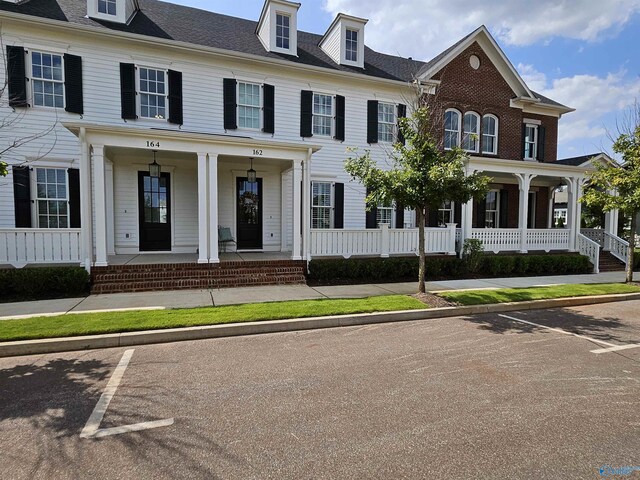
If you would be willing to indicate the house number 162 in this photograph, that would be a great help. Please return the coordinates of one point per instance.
(257, 152)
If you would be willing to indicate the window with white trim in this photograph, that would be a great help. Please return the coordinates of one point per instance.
(492, 209)
(107, 7)
(283, 32)
(451, 129)
(531, 142)
(249, 105)
(321, 205)
(322, 114)
(471, 132)
(445, 213)
(383, 215)
(351, 50)
(52, 198)
(490, 134)
(386, 122)
(152, 93)
(47, 79)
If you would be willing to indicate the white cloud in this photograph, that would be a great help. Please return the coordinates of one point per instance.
(423, 28)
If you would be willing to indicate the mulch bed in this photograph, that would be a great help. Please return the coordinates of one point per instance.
(433, 301)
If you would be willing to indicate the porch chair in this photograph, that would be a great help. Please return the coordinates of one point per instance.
(224, 237)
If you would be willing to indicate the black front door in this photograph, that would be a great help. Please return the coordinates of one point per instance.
(155, 212)
(249, 213)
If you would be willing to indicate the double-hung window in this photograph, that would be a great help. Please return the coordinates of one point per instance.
(47, 77)
(52, 198)
(492, 206)
(471, 133)
(386, 122)
(321, 205)
(107, 7)
(531, 142)
(490, 134)
(322, 114)
(451, 129)
(351, 50)
(153, 93)
(283, 25)
(445, 213)
(249, 105)
(383, 215)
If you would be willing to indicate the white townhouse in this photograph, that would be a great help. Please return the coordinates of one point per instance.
(142, 127)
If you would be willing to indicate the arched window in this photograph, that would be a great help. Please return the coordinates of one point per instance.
(451, 129)
(490, 134)
(471, 132)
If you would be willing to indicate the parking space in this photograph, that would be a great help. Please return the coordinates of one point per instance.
(482, 396)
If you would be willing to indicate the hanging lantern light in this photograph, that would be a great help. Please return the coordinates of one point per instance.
(251, 173)
(154, 168)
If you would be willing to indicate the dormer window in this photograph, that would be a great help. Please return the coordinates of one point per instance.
(283, 23)
(344, 40)
(107, 7)
(351, 50)
(277, 26)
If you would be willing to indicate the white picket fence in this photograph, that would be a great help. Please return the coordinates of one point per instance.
(21, 246)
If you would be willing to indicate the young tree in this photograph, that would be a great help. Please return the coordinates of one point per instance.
(618, 186)
(423, 176)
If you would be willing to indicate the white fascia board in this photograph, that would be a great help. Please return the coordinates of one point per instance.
(499, 165)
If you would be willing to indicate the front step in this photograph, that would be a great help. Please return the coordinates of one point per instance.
(141, 278)
(609, 263)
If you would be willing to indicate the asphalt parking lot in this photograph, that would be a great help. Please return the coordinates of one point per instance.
(538, 394)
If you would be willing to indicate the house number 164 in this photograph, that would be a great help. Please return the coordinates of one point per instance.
(152, 144)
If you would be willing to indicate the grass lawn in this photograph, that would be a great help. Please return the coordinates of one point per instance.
(112, 322)
(503, 295)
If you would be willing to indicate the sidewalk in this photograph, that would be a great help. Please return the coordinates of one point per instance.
(230, 296)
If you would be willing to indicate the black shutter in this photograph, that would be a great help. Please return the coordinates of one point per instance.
(399, 215)
(339, 118)
(175, 97)
(230, 103)
(269, 120)
(481, 215)
(372, 216)
(306, 113)
(17, 78)
(503, 221)
(524, 136)
(402, 113)
(128, 91)
(22, 197)
(457, 213)
(338, 213)
(541, 137)
(73, 84)
(432, 217)
(372, 121)
(74, 197)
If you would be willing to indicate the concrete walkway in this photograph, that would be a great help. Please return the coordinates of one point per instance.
(230, 296)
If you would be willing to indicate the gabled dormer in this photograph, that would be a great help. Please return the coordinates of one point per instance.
(278, 26)
(116, 11)
(344, 40)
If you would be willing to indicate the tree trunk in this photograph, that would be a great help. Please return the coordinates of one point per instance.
(632, 247)
(421, 267)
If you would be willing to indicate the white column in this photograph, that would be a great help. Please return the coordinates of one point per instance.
(283, 211)
(213, 208)
(467, 221)
(551, 203)
(97, 156)
(578, 215)
(571, 211)
(297, 180)
(385, 241)
(306, 208)
(85, 209)
(524, 182)
(610, 224)
(452, 238)
(111, 250)
(203, 210)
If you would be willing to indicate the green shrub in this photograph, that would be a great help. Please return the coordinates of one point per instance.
(473, 252)
(43, 283)
(510, 265)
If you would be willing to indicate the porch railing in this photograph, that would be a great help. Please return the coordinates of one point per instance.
(498, 239)
(548, 239)
(590, 248)
(618, 247)
(382, 241)
(20, 246)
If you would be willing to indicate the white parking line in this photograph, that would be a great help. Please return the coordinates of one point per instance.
(557, 330)
(616, 348)
(92, 428)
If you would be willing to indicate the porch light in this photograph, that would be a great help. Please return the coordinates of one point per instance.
(154, 168)
(251, 173)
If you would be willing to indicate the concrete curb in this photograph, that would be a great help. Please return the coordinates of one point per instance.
(54, 345)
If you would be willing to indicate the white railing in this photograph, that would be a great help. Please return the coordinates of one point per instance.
(618, 247)
(595, 234)
(21, 246)
(498, 239)
(380, 241)
(548, 239)
(590, 248)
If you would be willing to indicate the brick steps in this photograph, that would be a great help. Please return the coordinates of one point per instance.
(609, 263)
(140, 278)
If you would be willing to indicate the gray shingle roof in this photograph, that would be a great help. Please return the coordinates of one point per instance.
(577, 161)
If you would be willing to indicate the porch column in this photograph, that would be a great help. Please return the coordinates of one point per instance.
(85, 208)
(610, 224)
(578, 216)
(306, 207)
(571, 211)
(466, 222)
(297, 180)
(203, 219)
(552, 191)
(97, 156)
(524, 182)
(213, 208)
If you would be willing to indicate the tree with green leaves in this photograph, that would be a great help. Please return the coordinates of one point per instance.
(422, 175)
(618, 186)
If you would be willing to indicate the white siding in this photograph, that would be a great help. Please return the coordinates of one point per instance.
(331, 46)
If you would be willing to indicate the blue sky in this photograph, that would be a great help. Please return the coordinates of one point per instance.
(583, 53)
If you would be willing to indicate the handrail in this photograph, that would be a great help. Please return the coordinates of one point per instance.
(589, 248)
(618, 247)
